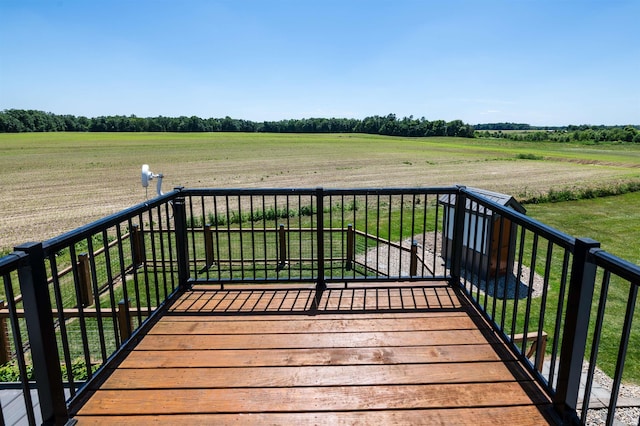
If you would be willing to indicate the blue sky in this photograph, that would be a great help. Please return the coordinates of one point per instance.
(543, 62)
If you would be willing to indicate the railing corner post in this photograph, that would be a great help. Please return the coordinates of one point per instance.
(182, 247)
(42, 337)
(351, 238)
(84, 278)
(5, 342)
(413, 263)
(137, 240)
(576, 326)
(208, 245)
(320, 285)
(460, 211)
(282, 246)
(125, 325)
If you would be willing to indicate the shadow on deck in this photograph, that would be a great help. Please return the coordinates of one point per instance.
(370, 355)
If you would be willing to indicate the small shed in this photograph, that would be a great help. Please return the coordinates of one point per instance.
(495, 236)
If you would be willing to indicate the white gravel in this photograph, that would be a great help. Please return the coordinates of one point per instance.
(623, 415)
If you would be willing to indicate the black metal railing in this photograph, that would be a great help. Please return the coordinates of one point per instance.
(250, 235)
(537, 288)
(81, 298)
(15, 353)
(72, 302)
(618, 284)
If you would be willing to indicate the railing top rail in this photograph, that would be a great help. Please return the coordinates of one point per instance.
(391, 190)
(11, 262)
(617, 266)
(564, 240)
(248, 191)
(313, 191)
(71, 237)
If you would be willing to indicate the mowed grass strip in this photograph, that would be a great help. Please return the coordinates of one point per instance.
(614, 222)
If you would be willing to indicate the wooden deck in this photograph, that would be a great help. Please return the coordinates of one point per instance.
(393, 355)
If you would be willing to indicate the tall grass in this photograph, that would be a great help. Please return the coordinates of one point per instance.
(577, 192)
(258, 215)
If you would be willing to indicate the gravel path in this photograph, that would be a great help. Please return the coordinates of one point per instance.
(628, 395)
(623, 416)
(396, 262)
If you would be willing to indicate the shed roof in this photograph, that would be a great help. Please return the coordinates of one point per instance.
(496, 197)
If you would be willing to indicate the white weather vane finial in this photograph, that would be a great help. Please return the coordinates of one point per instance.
(147, 175)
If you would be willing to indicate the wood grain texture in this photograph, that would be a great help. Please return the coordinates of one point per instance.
(336, 398)
(193, 326)
(317, 340)
(308, 357)
(521, 415)
(297, 376)
(221, 357)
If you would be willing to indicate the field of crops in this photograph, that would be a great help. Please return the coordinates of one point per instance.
(54, 182)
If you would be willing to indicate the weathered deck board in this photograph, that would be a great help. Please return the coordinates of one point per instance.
(310, 357)
(300, 399)
(521, 415)
(367, 356)
(191, 326)
(296, 376)
(311, 340)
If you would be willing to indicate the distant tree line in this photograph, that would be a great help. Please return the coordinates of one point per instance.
(19, 121)
(513, 126)
(572, 133)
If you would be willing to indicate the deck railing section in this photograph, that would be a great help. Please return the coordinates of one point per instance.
(355, 235)
(541, 293)
(617, 284)
(16, 398)
(73, 301)
(90, 291)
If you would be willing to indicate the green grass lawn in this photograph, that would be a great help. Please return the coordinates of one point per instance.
(615, 223)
